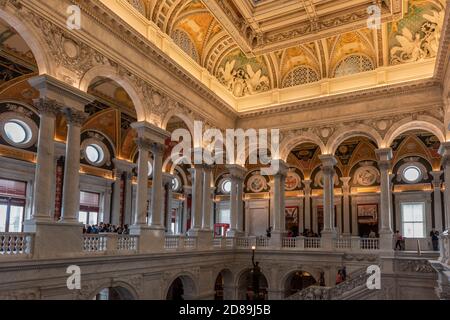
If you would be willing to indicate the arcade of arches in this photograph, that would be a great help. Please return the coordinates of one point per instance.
(87, 117)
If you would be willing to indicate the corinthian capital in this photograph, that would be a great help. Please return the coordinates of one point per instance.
(75, 117)
(144, 144)
(47, 107)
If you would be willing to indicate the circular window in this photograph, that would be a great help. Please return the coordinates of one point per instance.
(412, 174)
(94, 154)
(175, 184)
(226, 186)
(17, 131)
(150, 168)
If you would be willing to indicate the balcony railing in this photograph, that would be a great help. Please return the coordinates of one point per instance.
(127, 243)
(369, 244)
(15, 244)
(312, 243)
(94, 243)
(172, 242)
(190, 243)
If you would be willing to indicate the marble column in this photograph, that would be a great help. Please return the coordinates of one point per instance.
(157, 214)
(444, 151)
(437, 200)
(197, 199)
(128, 211)
(187, 193)
(346, 203)
(307, 191)
(140, 213)
(167, 183)
(45, 164)
(123, 171)
(329, 232)
(237, 174)
(279, 216)
(71, 186)
(385, 224)
(207, 199)
(116, 193)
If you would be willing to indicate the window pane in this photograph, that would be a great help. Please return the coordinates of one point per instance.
(407, 210)
(82, 217)
(3, 210)
(418, 230)
(224, 216)
(418, 212)
(15, 219)
(93, 218)
(408, 230)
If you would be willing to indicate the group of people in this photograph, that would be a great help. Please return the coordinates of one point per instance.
(341, 275)
(400, 240)
(106, 228)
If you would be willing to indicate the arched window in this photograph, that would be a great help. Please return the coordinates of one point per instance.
(300, 75)
(353, 64)
(183, 40)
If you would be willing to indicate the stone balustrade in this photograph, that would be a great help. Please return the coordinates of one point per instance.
(20, 244)
(444, 247)
(110, 243)
(16, 244)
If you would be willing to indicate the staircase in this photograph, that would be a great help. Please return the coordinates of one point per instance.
(354, 288)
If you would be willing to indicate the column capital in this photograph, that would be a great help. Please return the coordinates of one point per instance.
(123, 165)
(236, 171)
(307, 183)
(157, 148)
(281, 167)
(143, 143)
(384, 154)
(75, 117)
(346, 180)
(328, 161)
(444, 151)
(149, 131)
(436, 175)
(66, 95)
(48, 107)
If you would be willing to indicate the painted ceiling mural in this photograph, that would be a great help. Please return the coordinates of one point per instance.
(412, 36)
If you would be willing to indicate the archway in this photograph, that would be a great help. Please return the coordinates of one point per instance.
(182, 288)
(297, 281)
(245, 287)
(223, 285)
(114, 293)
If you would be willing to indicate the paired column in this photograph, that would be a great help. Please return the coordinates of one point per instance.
(444, 151)
(437, 200)
(156, 218)
(140, 213)
(197, 199)
(122, 172)
(328, 163)
(384, 164)
(207, 199)
(346, 204)
(307, 191)
(237, 174)
(279, 215)
(71, 186)
(187, 193)
(45, 165)
(167, 182)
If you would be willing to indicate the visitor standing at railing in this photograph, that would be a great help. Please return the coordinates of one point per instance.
(434, 234)
(398, 240)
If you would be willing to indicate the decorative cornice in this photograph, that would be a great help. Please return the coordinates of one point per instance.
(356, 96)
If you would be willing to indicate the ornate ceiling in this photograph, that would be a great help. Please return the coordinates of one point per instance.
(253, 46)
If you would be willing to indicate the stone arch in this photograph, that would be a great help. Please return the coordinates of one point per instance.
(111, 73)
(128, 290)
(32, 39)
(228, 281)
(356, 131)
(188, 121)
(240, 276)
(315, 272)
(291, 142)
(424, 123)
(189, 286)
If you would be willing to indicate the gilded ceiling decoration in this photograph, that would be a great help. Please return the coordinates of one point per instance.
(256, 46)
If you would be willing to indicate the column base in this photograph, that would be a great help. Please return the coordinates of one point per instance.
(386, 240)
(69, 235)
(151, 239)
(328, 237)
(204, 238)
(276, 238)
